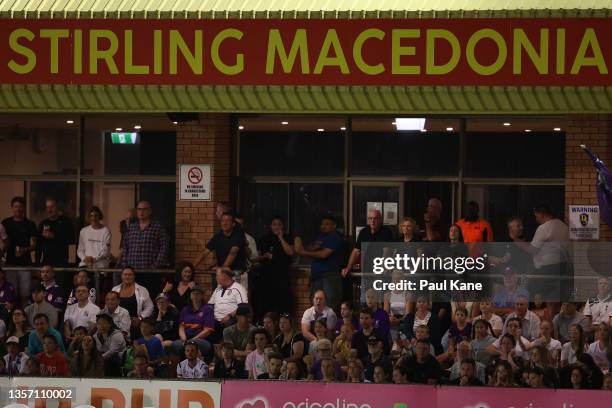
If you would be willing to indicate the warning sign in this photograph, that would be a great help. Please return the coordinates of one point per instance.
(195, 182)
(584, 222)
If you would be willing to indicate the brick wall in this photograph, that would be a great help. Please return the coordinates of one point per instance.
(204, 142)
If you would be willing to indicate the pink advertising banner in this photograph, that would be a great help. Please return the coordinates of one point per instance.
(269, 394)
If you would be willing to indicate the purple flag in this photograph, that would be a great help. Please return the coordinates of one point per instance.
(603, 183)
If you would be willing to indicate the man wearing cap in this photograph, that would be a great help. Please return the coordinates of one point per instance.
(166, 320)
(226, 297)
(41, 306)
(375, 357)
(238, 334)
(14, 360)
(120, 315)
(197, 323)
(505, 300)
(83, 313)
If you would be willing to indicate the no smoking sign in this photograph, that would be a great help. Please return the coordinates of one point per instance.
(195, 182)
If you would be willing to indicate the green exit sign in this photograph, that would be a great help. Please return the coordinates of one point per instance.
(124, 137)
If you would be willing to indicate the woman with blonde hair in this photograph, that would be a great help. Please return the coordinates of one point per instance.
(355, 371)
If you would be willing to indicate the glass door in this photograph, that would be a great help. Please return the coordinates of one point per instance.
(384, 196)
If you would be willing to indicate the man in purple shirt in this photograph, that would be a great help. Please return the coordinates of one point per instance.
(53, 293)
(196, 323)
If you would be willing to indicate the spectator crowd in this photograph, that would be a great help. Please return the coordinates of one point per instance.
(243, 326)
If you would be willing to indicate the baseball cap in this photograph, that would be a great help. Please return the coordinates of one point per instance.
(373, 339)
(12, 339)
(162, 296)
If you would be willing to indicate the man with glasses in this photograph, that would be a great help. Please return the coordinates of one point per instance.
(145, 245)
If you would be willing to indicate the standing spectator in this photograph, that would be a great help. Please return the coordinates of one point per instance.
(52, 361)
(375, 232)
(179, 291)
(196, 324)
(95, 241)
(272, 292)
(145, 245)
(192, 366)
(130, 217)
(567, 317)
(14, 360)
(326, 252)
(514, 256)
(473, 228)
(319, 310)
(574, 347)
(110, 343)
(290, 343)
(41, 306)
(228, 367)
(83, 313)
(133, 297)
(22, 236)
(8, 296)
(505, 300)
(251, 253)
(239, 334)
(598, 309)
(422, 368)
(530, 322)
(486, 310)
(228, 245)
(436, 230)
(226, 297)
(56, 235)
(120, 316)
(167, 320)
(255, 364)
(20, 328)
(41, 328)
(81, 278)
(87, 362)
(54, 294)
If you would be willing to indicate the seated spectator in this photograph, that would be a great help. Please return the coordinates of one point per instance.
(486, 310)
(273, 367)
(320, 330)
(32, 368)
(120, 316)
(255, 360)
(463, 353)
(504, 301)
(168, 370)
(94, 249)
(422, 368)
(76, 337)
(81, 279)
(381, 318)
(293, 371)
(399, 376)
(507, 353)
(600, 348)
(482, 339)
(535, 378)
(142, 370)
(502, 376)
(541, 359)
(565, 318)
(577, 378)
(239, 333)
(355, 371)
(87, 361)
(423, 316)
(598, 309)
(359, 342)
(110, 343)
(324, 351)
(530, 322)
(20, 328)
(155, 349)
(381, 375)
(41, 306)
(291, 344)
(317, 311)
(342, 344)
(196, 324)
(134, 298)
(460, 330)
(347, 315)
(192, 366)
(270, 323)
(328, 373)
(553, 346)
(593, 377)
(53, 293)
(51, 360)
(405, 348)
(41, 328)
(467, 374)
(574, 347)
(167, 319)
(83, 313)
(607, 382)
(540, 308)
(226, 297)
(228, 367)
(522, 345)
(8, 295)
(14, 360)
(376, 358)
(179, 290)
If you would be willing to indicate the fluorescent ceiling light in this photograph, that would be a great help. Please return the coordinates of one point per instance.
(343, 128)
(284, 123)
(527, 130)
(557, 129)
(70, 122)
(320, 130)
(410, 123)
(137, 127)
(240, 127)
(449, 129)
(506, 123)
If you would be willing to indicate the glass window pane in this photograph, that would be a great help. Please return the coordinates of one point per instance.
(362, 195)
(260, 201)
(310, 202)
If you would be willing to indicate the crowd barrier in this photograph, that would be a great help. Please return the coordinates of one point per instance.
(109, 393)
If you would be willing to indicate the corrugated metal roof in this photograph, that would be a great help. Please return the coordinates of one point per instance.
(304, 99)
(299, 8)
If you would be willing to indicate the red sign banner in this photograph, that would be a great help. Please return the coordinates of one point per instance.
(519, 52)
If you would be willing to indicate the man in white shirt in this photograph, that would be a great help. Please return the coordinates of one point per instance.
(530, 322)
(226, 297)
(319, 310)
(83, 313)
(598, 309)
(192, 366)
(120, 316)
